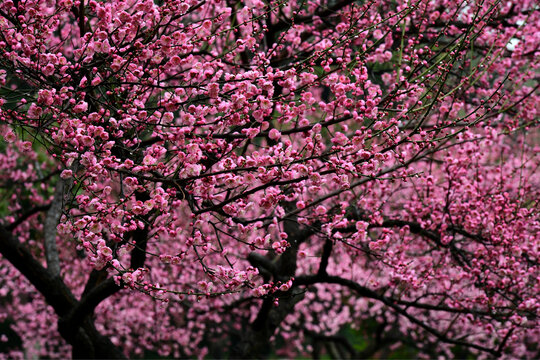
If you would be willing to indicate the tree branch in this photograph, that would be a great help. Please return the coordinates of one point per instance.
(51, 222)
(87, 342)
(52, 288)
(366, 292)
(327, 251)
(26, 215)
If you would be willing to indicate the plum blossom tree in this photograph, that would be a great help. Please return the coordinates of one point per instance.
(246, 179)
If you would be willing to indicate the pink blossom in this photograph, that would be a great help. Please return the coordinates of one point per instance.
(80, 107)
(26, 146)
(274, 134)
(66, 174)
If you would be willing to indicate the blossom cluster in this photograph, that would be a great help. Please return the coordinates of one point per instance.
(349, 163)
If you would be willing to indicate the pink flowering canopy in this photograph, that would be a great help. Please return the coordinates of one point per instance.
(269, 178)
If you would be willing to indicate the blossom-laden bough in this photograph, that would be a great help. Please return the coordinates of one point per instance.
(243, 179)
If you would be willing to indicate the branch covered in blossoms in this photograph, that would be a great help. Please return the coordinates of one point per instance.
(247, 179)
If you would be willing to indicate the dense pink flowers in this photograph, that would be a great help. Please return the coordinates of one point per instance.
(262, 174)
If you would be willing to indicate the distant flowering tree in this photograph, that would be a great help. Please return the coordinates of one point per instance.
(242, 179)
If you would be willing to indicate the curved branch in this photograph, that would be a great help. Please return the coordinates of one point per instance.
(417, 229)
(54, 290)
(26, 215)
(391, 303)
(87, 342)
